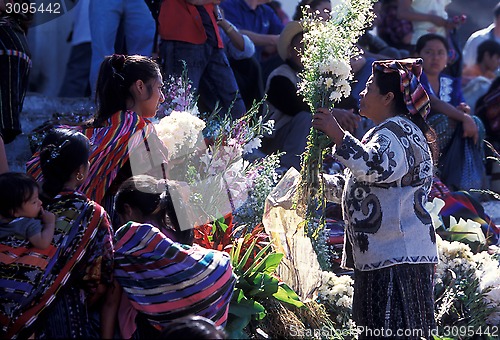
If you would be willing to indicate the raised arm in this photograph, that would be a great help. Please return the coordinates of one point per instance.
(405, 11)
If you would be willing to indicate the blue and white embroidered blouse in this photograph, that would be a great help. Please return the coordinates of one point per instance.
(383, 191)
(450, 89)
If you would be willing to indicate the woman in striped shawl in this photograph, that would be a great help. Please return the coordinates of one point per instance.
(123, 140)
(55, 288)
(158, 276)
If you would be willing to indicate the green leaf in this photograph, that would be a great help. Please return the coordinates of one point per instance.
(268, 264)
(244, 285)
(257, 259)
(287, 295)
(245, 257)
(264, 285)
(247, 308)
(241, 305)
(220, 223)
(236, 255)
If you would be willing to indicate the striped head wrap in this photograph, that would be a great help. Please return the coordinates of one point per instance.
(415, 97)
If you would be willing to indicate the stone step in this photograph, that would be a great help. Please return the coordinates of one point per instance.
(38, 109)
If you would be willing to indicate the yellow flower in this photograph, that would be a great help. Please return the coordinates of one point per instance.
(328, 82)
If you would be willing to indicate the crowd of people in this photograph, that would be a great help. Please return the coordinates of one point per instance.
(90, 244)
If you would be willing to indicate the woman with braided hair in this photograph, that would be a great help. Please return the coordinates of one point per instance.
(57, 288)
(390, 240)
(123, 140)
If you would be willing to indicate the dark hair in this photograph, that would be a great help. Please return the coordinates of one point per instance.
(391, 82)
(153, 200)
(300, 7)
(482, 102)
(193, 327)
(423, 40)
(62, 152)
(491, 46)
(496, 10)
(275, 5)
(116, 74)
(16, 188)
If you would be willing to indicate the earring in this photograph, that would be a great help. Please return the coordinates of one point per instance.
(79, 177)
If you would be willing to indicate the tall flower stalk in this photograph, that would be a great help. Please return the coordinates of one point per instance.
(325, 80)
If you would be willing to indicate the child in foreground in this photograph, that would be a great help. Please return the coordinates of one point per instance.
(21, 212)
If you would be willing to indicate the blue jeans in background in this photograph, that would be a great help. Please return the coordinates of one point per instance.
(209, 71)
(138, 26)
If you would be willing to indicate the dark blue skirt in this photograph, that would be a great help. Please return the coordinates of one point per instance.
(396, 302)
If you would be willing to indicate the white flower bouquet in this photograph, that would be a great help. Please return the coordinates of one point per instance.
(467, 287)
(325, 79)
(336, 293)
(218, 176)
(181, 132)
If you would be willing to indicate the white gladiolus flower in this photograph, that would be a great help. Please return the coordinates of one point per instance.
(434, 208)
(254, 143)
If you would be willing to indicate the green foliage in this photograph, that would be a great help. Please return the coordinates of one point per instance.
(460, 303)
(255, 284)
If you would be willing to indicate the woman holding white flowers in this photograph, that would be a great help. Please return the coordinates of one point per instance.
(390, 240)
(291, 114)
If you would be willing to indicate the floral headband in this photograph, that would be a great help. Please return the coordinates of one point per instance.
(416, 99)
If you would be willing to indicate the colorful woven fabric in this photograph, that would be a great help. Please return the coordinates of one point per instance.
(165, 280)
(460, 204)
(30, 279)
(416, 99)
(111, 148)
